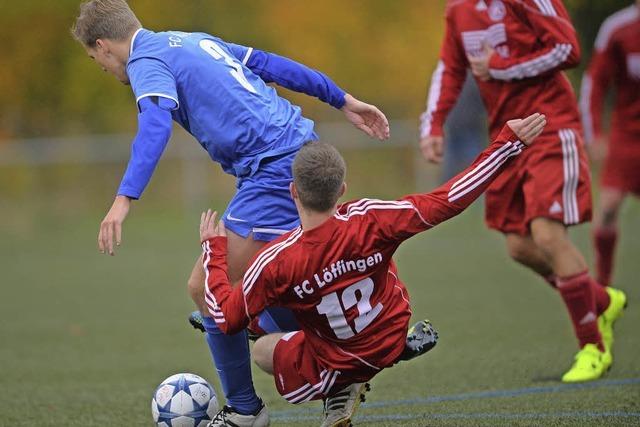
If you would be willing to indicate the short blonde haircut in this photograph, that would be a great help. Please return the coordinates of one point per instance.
(104, 19)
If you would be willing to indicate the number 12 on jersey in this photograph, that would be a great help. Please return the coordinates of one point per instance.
(330, 307)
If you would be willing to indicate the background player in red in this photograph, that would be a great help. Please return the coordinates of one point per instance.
(516, 49)
(337, 275)
(616, 59)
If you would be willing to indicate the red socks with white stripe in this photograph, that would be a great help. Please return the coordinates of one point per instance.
(579, 295)
(599, 292)
(604, 240)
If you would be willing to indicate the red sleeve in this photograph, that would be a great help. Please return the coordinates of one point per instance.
(595, 83)
(556, 45)
(446, 82)
(232, 307)
(401, 219)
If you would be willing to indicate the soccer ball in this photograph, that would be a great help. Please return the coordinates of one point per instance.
(184, 400)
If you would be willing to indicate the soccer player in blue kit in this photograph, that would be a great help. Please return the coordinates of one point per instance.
(218, 92)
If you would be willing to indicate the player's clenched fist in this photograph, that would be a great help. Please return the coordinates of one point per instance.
(528, 129)
(208, 227)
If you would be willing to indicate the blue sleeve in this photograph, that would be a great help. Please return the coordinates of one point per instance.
(241, 53)
(154, 131)
(152, 77)
(295, 76)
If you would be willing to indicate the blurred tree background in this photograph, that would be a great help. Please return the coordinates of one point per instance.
(380, 50)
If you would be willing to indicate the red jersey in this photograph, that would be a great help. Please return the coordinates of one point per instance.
(339, 278)
(616, 59)
(533, 41)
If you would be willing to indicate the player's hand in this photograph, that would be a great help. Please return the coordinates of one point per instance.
(366, 117)
(111, 226)
(432, 148)
(528, 129)
(480, 63)
(208, 227)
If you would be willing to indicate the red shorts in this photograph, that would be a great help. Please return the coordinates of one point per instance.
(622, 172)
(550, 179)
(300, 378)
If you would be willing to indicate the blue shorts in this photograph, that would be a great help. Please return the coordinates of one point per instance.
(262, 205)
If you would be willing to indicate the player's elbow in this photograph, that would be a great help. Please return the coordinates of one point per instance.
(573, 50)
(575, 55)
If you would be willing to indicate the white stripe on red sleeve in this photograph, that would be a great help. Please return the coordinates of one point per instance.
(536, 66)
(435, 91)
(484, 170)
(210, 299)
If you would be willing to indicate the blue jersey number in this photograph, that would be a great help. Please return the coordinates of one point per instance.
(213, 49)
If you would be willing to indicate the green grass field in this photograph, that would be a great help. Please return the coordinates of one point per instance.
(86, 338)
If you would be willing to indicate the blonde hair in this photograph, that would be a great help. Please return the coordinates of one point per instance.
(318, 174)
(104, 19)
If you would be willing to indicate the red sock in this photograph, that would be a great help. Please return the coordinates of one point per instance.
(604, 240)
(601, 296)
(599, 292)
(577, 293)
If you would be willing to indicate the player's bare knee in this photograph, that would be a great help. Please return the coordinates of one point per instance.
(518, 252)
(262, 353)
(550, 237)
(518, 248)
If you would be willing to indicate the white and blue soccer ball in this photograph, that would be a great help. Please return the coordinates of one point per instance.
(184, 400)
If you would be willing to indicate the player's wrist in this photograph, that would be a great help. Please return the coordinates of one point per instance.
(217, 243)
(507, 135)
(348, 100)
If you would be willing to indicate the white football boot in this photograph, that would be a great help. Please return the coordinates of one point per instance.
(340, 407)
(228, 417)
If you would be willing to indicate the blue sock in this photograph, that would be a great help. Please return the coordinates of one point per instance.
(231, 356)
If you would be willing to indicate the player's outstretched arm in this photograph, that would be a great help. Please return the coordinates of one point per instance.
(412, 214)
(457, 194)
(298, 77)
(154, 132)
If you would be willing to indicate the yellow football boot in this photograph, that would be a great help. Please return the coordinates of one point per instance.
(590, 364)
(617, 304)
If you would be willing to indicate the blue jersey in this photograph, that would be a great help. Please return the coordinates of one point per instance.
(229, 109)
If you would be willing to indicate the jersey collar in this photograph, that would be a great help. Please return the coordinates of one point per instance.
(320, 234)
(133, 40)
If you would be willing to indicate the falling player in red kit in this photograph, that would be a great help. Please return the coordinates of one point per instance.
(337, 275)
(616, 59)
(517, 50)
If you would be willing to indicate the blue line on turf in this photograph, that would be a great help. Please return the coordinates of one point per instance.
(476, 415)
(477, 395)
